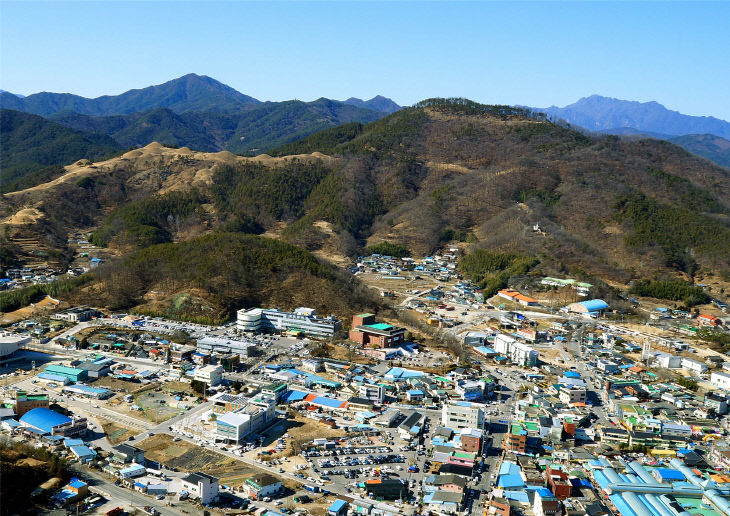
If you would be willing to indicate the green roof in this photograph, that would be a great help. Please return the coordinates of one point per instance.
(379, 326)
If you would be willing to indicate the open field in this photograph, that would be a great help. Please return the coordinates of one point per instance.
(43, 306)
(116, 433)
(189, 457)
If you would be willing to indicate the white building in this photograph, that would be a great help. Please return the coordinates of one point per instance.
(221, 345)
(254, 417)
(721, 380)
(374, 393)
(302, 319)
(11, 342)
(572, 394)
(668, 361)
(519, 353)
(462, 414)
(694, 366)
(210, 374)
(200, 485)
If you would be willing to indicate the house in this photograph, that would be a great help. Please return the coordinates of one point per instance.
(135, 470)
(83, 453)
(415, 395)
(545, 504)
(262, 485)
(708, 320)
(513, 295)
(201, 486)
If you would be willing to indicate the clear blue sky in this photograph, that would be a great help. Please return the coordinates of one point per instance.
(535, 54)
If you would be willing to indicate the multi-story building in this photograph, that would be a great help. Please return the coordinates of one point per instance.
(201, 486)
(374, 393)
(516, 351)
(719, 379)
(368, 333)
(572, 394)
(221, 345)
(516, 438)
(469, 390)
(545, 503)
(275, 390)
(25, 402)
(262, 485)
(223, 403)
(694, 366)
(471, 440)
(462, 414)
(211, 375)
(252, 418)
(557, 481)
(716, 401)
(302, 320)
(11, 342)
(76, 314)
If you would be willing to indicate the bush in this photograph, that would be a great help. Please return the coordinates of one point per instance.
(673, 290)
(389, 249)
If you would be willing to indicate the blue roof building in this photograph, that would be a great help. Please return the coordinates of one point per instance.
(44, 419)
(592, 306)
(338, 508)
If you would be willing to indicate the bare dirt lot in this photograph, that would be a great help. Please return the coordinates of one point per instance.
(189, 457)
(116, 433)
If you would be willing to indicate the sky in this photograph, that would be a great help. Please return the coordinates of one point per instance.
(537, 54)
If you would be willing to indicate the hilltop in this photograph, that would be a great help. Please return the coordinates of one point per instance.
(441, 172)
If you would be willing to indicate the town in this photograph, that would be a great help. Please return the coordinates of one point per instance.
(542, 404)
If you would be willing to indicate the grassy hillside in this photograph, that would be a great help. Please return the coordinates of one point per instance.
(708, 146)
(29, 143)
(442, 171)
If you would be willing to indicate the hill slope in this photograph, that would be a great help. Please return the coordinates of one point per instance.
(708, 146)
(187, 93)
(599, 114)
(426, 176)
(29, 143)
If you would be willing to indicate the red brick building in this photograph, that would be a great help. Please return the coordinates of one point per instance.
(557, 481)
(471, 440)
(370, 334)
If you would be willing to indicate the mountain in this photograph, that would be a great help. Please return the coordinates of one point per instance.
(29, 142)
(253, 130)
(16, 94)
(188, 93)
(600, 114)
(442, 172)
(708, 146)
(377, 103)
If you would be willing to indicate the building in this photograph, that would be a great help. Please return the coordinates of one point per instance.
(126, 453)
(583, 289)
(570, 394)
(374, 393)
(519, 353)
(96, 369)
(716, 401)
(694, 366)
(133, 471)
(47, 421)
(471, 440)
(368, 333)
(557, 481)
(591, 308)
(301, 320)
(513, 295)
(338, 508)
(201, 486)
(76, 314)
(545, 503)
(11, 342)
(412, 426)
(262, 485)
(90, 392)
(74, 374)
(462, 414)
(516, 438)
(226, 346)
(708, 320)
(255, 416)
(475, 338)
(211, 375)
(25, 402)
(721, 380)
(276, 390)
(223, 403)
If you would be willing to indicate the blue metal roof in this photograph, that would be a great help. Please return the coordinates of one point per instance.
(337, 505)
(44, 419)
(594, 305)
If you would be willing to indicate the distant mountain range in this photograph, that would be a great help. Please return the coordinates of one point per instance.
(192, 111)
(604, 114)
